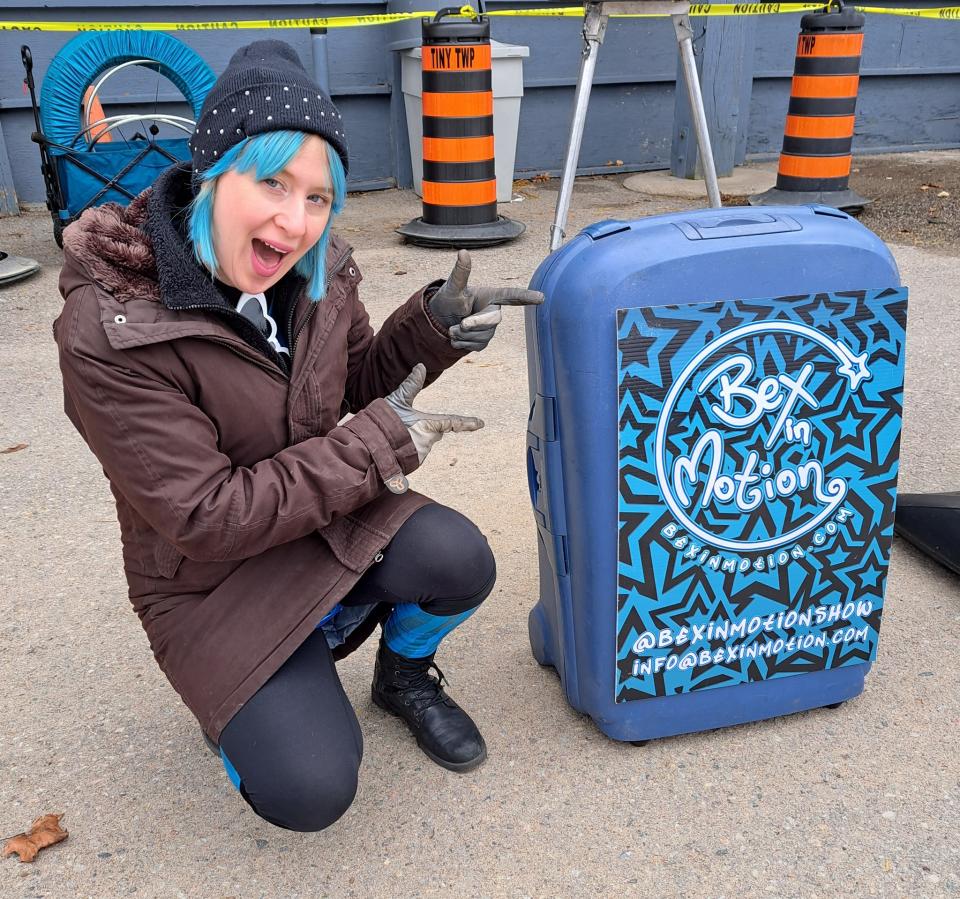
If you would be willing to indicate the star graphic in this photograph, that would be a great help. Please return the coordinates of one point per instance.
(628, 436)
(821, 315)
(848, 425)
(837, 557)
(728, 321)
(853, 367)
(870, 576)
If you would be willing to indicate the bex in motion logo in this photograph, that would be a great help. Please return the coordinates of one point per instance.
(736, 447)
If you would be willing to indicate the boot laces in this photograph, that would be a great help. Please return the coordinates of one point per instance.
(426, 689)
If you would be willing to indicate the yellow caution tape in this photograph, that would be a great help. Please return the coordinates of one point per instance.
(696, 9)
(946, 13)
(225, 25)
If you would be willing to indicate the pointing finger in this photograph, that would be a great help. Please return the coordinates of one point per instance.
(439, 423)
(507, 296)
(459, 423)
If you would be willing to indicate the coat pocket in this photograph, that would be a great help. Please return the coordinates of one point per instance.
(167, 558)
(352, 542)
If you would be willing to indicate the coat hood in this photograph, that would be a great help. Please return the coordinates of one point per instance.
(141, 251)
(109, 245)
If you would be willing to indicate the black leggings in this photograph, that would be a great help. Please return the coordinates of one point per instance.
(296, 744)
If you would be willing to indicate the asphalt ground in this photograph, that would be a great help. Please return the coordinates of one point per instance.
(859, 801)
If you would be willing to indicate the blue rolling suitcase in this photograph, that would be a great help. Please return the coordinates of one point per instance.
(712, 456)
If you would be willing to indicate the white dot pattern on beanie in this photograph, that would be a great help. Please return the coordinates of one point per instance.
(260, 95)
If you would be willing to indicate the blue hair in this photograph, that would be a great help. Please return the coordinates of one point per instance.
(267, 154)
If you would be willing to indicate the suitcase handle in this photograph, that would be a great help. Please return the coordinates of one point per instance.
(729, 224)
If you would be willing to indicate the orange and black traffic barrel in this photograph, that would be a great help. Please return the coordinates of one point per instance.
(459, 177)
(815, 160)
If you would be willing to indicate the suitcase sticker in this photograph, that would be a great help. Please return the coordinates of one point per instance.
(758, 457)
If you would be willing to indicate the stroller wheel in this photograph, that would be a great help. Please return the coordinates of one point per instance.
(58, 231)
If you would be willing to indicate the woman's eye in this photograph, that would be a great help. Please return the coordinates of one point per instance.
(319, 199)
(271, 182)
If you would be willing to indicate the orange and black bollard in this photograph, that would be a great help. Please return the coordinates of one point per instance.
(459, 178)
(815, 161)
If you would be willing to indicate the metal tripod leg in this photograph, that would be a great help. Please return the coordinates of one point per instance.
(594, 27)
(681, 24)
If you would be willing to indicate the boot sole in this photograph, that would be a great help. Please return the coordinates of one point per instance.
(459, 767)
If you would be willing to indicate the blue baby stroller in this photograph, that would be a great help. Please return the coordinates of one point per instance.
(82, 165)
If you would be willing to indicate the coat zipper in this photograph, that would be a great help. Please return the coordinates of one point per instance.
(292, 339)
(266, 364)
(257, 360)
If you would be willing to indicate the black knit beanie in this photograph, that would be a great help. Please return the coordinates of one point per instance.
(264, 88)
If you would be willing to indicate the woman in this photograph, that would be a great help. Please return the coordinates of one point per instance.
(211, 341)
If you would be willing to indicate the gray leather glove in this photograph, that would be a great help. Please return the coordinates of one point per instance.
(425, 428)
(471, 314)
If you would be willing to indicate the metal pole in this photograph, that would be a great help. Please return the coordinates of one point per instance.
(594, 27)
(681, 24)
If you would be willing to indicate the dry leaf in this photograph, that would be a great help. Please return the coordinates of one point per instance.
(400, 272)
(14, 449)
(944, 193)
(45, 831)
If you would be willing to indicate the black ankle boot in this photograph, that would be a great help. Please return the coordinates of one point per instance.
(444, 731)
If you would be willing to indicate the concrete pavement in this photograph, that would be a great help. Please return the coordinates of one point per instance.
(860, 801)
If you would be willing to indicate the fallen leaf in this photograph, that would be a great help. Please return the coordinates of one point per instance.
(400, 272)
(887, 865)
(928, 184)
(14, 449)
(944, 193)
(45, 831)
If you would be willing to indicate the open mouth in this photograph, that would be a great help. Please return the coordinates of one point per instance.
(267, 258)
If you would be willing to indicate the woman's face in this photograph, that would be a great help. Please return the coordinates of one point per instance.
(262, 228)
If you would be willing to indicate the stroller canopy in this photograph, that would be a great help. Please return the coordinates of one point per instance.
(84, 57)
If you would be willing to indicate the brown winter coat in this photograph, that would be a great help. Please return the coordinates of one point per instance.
(246, 511)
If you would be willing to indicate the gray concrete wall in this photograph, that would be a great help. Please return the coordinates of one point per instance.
(909, 97)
